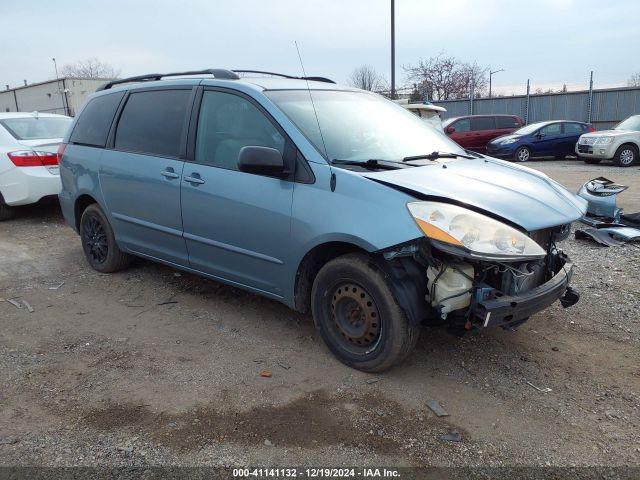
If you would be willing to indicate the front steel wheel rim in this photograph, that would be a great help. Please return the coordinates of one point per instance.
(95, 239)
(355, 318)
(523, 155)
(626, 156)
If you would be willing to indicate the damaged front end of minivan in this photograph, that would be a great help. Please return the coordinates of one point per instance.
(471, 271)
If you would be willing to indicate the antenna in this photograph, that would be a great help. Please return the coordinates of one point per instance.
(315, 112)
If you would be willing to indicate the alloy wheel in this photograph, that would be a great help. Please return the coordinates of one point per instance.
(523, 155)
(627, 156)
(95, 239)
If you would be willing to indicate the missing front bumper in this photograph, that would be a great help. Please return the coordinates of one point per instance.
(505, 309)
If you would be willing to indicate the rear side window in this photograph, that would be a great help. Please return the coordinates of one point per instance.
(482, 123)
(152, 122)
(92, 127)
(507, 122)
(574, 128)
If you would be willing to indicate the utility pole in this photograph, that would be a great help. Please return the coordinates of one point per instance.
(393, 49)
(490, 75)
(590, 109)
(61, 92)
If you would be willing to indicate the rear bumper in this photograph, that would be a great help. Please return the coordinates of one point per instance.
(513, 309)
(27, 185)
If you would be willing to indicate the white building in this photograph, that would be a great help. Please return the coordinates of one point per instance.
(64, 96)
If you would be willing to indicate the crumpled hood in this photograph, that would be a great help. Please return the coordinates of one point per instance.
(519, 194)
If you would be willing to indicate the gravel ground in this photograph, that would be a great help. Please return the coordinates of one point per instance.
(154, 367)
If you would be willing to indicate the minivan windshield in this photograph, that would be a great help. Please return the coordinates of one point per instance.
(631, 123)
(36, 128)
(359, 126)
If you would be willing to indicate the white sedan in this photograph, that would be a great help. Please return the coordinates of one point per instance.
(622, 144)
(28, 158)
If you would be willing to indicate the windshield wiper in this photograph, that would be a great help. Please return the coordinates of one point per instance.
(370, 163)
(435, 156)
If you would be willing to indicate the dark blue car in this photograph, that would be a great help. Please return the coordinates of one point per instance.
(543, 139)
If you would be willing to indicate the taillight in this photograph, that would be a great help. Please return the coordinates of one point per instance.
(32, 158)
(591, 129)
(61, 150)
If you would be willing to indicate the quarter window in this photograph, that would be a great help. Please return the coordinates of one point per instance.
(227, 123)
(573, 129)
(152, 122)
(482, 123)
(94, 122)
(507, 122)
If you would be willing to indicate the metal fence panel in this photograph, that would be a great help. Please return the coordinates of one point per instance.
(610, 106)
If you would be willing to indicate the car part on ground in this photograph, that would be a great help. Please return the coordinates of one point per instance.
(601, 194)
(599, 236)
(631, 219)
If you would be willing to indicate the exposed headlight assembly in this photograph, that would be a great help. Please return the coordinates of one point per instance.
(604, 140)
(472, 234)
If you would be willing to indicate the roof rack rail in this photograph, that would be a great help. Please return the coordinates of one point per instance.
(313, 79)
(216, 72)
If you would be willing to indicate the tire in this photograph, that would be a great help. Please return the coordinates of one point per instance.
(625, 156)
(6, 212)
(99, 243)
(358, 317)
(592, 161)
(522, 154)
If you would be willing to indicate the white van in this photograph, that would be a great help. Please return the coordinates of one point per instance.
(428, 112)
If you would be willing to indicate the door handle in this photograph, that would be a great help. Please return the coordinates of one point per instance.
(169, 173)
(194, 179)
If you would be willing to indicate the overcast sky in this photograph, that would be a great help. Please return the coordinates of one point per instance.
(549, 41)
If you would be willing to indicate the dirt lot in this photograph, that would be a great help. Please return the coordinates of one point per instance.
(151, 366)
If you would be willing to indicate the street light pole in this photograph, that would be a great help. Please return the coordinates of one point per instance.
(393, 49)
(490, 75)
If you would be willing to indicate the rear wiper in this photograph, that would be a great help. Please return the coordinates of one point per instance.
(435, 156)
(370, 163)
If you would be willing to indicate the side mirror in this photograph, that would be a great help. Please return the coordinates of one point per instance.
(261, 161)
(540, 134)
(450, 130)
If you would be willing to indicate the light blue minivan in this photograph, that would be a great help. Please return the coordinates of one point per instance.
(329, 199)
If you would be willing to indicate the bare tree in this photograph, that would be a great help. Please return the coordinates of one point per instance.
(444, 78)
(366, 78)
(89, 68)
(634, 80)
